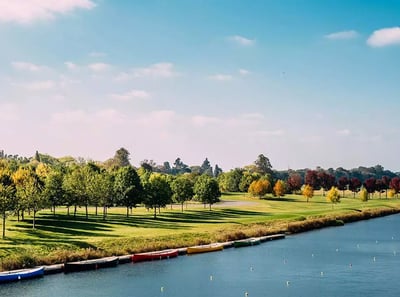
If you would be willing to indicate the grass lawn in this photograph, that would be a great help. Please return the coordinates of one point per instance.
(62, 238)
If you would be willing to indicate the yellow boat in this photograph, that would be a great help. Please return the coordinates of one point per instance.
(205, 248)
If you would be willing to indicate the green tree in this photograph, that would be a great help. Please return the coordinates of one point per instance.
(7, 198)
(158, 192)
(101, 190)
(128, 188)
(263, 165)
(53, 189)
(182, 189)
(247, 178)
(206, 190)
(333, 196)
(121, 157)
(206, 168)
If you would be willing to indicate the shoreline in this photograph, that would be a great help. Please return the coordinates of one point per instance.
(254, 230)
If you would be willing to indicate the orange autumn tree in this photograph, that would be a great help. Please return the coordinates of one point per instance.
(259, 187)
(280, 188)
(308, 192)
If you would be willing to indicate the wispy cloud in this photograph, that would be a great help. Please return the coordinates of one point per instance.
(158, 70)
(243, 41)
(201, 121)
(342, 35)
(244, 72)
(384, 37)
(70, 65)
(221, 77)
(28, 11)
(38, 85)
(97, 54)
(27, 66)
(131, 95)
(99, 67)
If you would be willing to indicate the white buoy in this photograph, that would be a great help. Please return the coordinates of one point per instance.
(287, 283)
(246, 294)
(337, 250)
(251, 268)
(322, 273)
(374, 259)
(312, 255)
(211, 277)
(162, 289)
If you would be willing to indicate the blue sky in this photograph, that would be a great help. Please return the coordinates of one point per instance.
(306, 83)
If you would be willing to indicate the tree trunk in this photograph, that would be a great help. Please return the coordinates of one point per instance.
(75, 211)
(104, 212)
(210, 206)
(4, 225)
(96, 210)
(18, 215)
(68, 210)
(182, 206)
(22, 215)
(86, 211)
(155, 212)
(34, 218)
(127, 211)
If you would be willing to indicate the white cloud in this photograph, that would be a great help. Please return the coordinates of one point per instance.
(243, 41)
(99, 67)
(244, 72)
(80, 116)
(70, 65)
(97, 54)
(342, 35)
(131, 95)
(344, 132)
(159, 70)
(39, 85)
(27, 66)
(28, 11)
(384, 37)
(201, 121)
(221, 77)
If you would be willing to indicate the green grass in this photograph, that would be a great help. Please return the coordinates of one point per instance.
(63, 238)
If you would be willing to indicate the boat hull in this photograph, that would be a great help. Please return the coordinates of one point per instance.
(246, 242)
(151, 256)
(204, 248)
(16, 275)
(90, 264)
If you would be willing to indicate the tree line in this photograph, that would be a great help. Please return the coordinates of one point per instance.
(31, 184)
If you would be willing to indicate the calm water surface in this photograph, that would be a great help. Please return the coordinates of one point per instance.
(359, 259)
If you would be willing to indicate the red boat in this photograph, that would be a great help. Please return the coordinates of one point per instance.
(158, 255)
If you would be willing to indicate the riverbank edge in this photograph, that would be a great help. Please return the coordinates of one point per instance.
(287, 227)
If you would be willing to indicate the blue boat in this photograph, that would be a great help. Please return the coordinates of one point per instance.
(16, 275)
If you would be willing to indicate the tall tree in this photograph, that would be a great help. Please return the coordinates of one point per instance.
(7, 195)
(343, 183)
(312, 179)
(395, 185)
(206, 168)
(121, 157)
(128, 188)
(206, 190)
(53, 189)
(158, 192)
(217, 171)
(182, 189)
(263, 165)
(370, 186)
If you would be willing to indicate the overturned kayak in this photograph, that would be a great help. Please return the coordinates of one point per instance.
(21, 274)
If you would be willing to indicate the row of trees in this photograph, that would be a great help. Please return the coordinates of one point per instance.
(34, 186)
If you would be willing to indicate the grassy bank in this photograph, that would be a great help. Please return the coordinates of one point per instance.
(63, 238)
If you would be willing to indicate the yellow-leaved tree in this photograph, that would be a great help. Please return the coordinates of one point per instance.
(333, 196)
(280, 188)
(259, 187)
(363, 194)
(308, 192)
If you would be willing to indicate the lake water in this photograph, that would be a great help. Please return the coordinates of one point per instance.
(359, 259)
